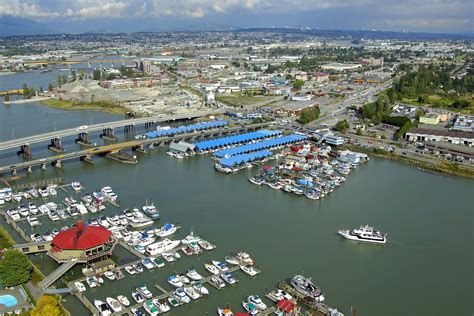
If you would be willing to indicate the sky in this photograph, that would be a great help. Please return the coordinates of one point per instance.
(75, 16)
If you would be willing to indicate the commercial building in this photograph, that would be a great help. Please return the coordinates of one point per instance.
(332, 139)
(320, 76)
(340, 67)
(440, 135)
(371, 61)
(293, 108)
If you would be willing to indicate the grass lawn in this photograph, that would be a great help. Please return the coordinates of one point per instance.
(238, 100)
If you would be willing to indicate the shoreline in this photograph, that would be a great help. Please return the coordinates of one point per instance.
(93, 106)
(441, 168)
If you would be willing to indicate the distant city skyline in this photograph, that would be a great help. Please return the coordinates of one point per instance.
(76, 16)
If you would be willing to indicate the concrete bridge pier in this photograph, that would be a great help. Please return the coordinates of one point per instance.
(130, 129)
(108, 133)
(43, 166)
(150, 125)
(29, 170)
(56, 145)
(83, 138)
(87, 158)
(24, 151)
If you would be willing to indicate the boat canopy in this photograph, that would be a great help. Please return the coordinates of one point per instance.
(236, 139)
(286, 305)
(244, 158)
(265, 144)
(187, 129)
(305, 182)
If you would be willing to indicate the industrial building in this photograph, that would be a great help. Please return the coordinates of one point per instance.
(439, 135)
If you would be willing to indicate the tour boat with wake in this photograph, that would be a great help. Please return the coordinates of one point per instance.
(364, 233)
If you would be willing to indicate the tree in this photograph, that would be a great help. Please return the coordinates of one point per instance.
(359, 132)
(309, 115)
(342, 126)
(96, 75)
(50, 87)
(15, 268)
(298, 84)
(47, 305)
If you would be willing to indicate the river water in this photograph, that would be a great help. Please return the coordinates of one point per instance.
(426, 268)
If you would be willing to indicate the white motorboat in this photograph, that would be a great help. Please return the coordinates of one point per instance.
(110, 275)
(175, 281)
(305, 286)
(197, 285)
(257, 181)
(181, 296)
(249, 307)
(231, 260)
(190, 238)
(206, 245)
(364, 233)
(52, 206)
(229, 278)
(47, 236)
(92, 282)
(130, 270)
(151, 211)
(217, 281)
(14, 214)
(53, 216)
(32, 208)
(150, 308)
(192, 293)
(138, 268)
(148, 263)
(162, 306)
(23, 210)
(249, 270)
(257, 301)
(194, 275)
(168, 257)
(183, 278)
(102, 307)
(224, 312)
(52, 190)
(278, 295)
(243, 256)
(220, 265)
(114, 304)
(43, 209)
(76, 186)
(143, 290)
(137, 297)
(162, 246)
(36, 237)
(43, 192)
(123, 300)
(33, 221)
(79, 287)
(211, 268)
(167, 230)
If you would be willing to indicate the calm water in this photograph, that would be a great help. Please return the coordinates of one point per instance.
(425, 269)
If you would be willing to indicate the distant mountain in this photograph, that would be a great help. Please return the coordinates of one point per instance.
(10, 25)
(358, 34)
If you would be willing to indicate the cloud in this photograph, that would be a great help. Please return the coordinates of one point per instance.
(432, 15)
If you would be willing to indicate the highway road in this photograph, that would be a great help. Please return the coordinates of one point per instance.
(15, 143)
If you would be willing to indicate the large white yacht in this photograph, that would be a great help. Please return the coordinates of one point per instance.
(162, 246)
(305, 286)
(364, 233)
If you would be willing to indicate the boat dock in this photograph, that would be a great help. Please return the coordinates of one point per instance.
(37, 184)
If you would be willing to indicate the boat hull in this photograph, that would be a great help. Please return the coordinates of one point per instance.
(346, 234)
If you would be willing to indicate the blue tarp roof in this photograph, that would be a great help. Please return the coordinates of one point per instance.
(266, 144)
(239, 159)
(236, 139)
(186, 129)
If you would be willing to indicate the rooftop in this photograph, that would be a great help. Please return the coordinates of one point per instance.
(81, 237)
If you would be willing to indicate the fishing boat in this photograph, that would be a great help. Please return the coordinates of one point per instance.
(114, 304)
(217, 281)
(175, 281)
(211, 268)
(102, 307)
(79, 287)
(150, 308)
(192, 293)
(123, 300)
(197, 285)
(229, 278)
(257, 301)
(151, 211)
(364, 233)
(194, 275)
(220, 265)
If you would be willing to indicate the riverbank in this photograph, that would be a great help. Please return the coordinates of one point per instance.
(23, 101)
(443, 167)
(104, 106)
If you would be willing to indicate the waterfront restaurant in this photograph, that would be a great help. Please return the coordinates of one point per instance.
(82, 243)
